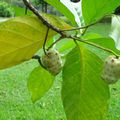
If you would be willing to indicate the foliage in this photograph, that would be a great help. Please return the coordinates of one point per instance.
(95, 10)
(83, 89)
(22, 44)
(85, 95)
(36, 2)
(6, 10)
(40, 81)
(63, 9)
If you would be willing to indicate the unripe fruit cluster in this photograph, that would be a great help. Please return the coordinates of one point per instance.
(111, 71)
(52, 61)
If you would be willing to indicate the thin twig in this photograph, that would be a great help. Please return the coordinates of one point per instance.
(61, 37)
(39, 15)
(37, 57)
(95, 45)
(83, 27)
(86, 42)
(45, 41)
(26, 10)
(84, 31)
(78, 28)
(75, 42)
(45, 5)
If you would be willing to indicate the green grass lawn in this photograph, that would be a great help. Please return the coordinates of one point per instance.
(15, 102)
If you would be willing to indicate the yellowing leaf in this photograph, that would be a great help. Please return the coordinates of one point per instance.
(56, 21)
(21, 38)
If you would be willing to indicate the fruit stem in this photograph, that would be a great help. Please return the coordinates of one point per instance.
(86, 26)
(59, 39)
(37, 57)
(45, 41)
(95, 45)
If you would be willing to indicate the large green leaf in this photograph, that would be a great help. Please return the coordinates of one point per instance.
(93, 10)
(21, 37)
(63, 9)
(39, 82)
(85, 95)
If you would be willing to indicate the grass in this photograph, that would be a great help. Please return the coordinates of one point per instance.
(15, 102)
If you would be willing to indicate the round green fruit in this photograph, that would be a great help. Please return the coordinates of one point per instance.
(52, 61)
(111, 70)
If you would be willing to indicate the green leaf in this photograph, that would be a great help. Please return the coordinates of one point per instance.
(22, 37)
(63, 9)
(39, 82)
(65, 45)
(85, 95)
(91, 36)
(93, 10)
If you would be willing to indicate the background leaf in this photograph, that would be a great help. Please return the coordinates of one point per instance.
(39, 82)
(75, 9)
(85, 95)
(63, 9)
(22, 37)
(93, 10)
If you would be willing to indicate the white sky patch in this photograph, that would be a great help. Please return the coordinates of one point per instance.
(72, 7)
(115, 33)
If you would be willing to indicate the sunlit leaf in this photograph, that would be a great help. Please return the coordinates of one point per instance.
(63, 9)
(85, 95)
(93, 10)
(39, 82)
(22, 37)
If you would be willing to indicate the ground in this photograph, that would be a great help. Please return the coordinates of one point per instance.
(15, 102)
(15, 98)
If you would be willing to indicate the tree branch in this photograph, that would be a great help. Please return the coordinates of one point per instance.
(35, 11)
(87, 42)
(59, 39)
(95, 45)
(45, 41)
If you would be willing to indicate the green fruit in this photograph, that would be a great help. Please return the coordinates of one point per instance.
(52, 61)
(111, 70)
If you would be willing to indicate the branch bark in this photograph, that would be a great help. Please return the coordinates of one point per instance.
(39, 15)
(63, 35)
